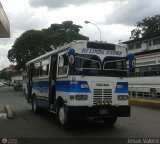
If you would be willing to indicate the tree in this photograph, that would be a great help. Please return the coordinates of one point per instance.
(148, 27)
(66, 26)
(34, 43)
(28, 46)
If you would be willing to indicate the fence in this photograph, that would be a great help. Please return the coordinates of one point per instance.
(146, 93)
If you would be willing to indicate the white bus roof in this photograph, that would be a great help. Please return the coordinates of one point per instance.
(67, 46)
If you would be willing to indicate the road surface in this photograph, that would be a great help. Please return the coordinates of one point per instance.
(144, 122)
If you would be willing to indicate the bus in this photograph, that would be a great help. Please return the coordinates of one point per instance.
(81, 79)
(144, 83)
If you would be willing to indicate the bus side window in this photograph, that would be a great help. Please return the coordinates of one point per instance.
(36, 69)
(62, 66)
(44, 70)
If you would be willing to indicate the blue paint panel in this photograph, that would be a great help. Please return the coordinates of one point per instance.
(63, 86)
(42, 86)
(69, 86)
(121, 87)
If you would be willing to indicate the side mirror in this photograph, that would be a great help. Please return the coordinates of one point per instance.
(132, 62)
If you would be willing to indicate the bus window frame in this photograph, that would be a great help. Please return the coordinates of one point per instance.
(83, 58)
(33, 73)
(122, 60)
(65, 75)
(49, 62)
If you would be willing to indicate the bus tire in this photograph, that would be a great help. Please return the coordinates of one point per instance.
(62, 116)
(35, 108)
(110, 121)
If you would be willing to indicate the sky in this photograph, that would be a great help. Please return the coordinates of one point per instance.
(115, 18)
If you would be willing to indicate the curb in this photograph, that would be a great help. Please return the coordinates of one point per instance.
(10, 114)
(144, 103)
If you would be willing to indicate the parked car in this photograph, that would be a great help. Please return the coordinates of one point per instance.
(1, 84)
(8, 83)
(17, 85)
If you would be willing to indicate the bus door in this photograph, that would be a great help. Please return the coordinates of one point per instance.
(52, 82)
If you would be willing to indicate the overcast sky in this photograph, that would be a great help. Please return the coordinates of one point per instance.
(115, 18)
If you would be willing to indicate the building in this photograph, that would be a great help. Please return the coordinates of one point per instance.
(4, 24)
(146, 78)
(11, 68)
(147, 51)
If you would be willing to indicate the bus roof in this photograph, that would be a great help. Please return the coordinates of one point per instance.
(72, 44)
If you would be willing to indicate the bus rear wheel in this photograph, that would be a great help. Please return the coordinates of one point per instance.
(110, 121)
(63, 117)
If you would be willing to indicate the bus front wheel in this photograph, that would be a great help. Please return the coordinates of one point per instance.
(63, 117)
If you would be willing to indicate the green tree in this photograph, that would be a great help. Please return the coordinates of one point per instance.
(66, 26)
(148, 27)
(34, 43)
(28, 46)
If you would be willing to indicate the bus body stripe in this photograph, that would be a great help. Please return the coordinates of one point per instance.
(121, 87)
(63, 86)
(69, 86)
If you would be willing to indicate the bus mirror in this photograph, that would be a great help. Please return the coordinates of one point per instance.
(71, 59)
(132, 61)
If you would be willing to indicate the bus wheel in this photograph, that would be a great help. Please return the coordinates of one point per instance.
(110, 121)
(63, 116)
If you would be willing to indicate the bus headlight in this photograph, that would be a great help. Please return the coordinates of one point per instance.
(81, 97)
(84, 86)
(119, 86)
(123, 97)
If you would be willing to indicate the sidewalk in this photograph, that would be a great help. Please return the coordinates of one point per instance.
(145, 103)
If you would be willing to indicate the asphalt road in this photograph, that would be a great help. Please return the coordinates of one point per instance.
(144, 122)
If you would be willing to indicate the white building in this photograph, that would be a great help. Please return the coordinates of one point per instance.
(146, 77)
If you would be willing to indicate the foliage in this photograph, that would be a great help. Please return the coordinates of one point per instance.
(6, 75)
(28, 46)
(66, 26)
(34, 43)
(148, 27)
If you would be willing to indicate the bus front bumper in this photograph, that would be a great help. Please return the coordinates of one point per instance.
(99, 111)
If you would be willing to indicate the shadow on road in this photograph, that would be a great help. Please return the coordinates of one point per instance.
(78, 124)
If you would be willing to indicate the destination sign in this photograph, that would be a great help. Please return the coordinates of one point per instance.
(101, 52)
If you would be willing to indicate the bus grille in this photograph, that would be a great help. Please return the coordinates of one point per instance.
(102, 95)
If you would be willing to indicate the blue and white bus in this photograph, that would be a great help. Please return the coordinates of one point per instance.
(80, 79)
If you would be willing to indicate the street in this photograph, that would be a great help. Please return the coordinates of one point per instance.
(144, 122)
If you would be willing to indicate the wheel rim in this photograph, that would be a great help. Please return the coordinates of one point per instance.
(62, 115)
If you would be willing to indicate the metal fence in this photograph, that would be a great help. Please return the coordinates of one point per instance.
(145, 93)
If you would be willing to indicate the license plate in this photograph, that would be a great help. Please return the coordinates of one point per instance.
(103, 111)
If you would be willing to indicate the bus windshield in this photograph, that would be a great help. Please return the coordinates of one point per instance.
(91, 65)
